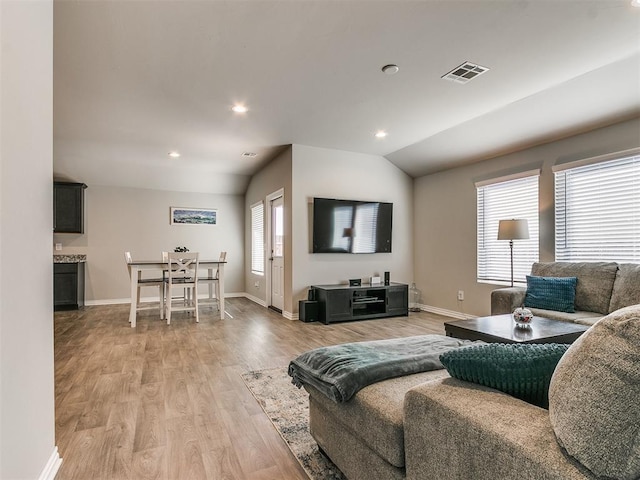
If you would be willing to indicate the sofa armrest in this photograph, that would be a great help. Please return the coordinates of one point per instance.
(506, 300)
(455, 429)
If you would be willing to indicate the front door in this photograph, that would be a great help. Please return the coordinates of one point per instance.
(277, 253)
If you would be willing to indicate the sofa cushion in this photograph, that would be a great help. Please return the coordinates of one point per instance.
(551, 293)
(595, 281)
(594, 397)
(626, 288)
(521, 370)
(375, 413)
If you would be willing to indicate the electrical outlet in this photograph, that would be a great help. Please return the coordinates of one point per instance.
(58, 246)
(257, 284)
(461, 295)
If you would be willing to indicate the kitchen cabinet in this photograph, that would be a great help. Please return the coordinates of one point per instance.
(68, 207)
(68, 286)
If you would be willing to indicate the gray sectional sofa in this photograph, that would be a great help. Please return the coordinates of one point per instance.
(602, 288)
(430, 426)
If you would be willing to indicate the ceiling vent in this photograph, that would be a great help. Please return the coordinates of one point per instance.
(465, 72)
(249, 154)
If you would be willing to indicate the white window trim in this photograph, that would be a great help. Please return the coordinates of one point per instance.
(632, 152)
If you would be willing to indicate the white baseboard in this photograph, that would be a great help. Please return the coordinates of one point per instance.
(261, 302)
(446, 313)
(52, 466)
(119, 301)
(257, 300)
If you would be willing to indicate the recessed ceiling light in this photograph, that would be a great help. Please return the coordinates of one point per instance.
(239, 108)
(381, 134)
(390, 69)
(174, 154)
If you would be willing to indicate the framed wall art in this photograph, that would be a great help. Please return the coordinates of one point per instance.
(193, 216)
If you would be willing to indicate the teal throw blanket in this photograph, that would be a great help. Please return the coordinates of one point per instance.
(340, 371)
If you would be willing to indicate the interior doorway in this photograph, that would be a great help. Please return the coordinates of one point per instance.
(276, 250)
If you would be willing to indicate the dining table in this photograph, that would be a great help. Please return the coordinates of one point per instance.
(142, 265)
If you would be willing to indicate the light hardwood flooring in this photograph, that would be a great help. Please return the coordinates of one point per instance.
(167, 402)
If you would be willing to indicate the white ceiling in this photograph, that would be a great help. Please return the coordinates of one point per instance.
(134, 80)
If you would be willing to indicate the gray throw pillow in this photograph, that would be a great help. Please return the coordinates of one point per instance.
(626, 288)
(594, 397)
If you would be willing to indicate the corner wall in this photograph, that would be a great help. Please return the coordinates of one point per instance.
(273, 177)
(27, 412)
(322, 172)
(445, 214)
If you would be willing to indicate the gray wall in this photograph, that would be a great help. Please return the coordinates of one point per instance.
(273, 177)
(120, 219)
(322, 172)
(445, 214)
(27, 421)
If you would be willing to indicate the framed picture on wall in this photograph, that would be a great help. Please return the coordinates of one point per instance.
(193, 216)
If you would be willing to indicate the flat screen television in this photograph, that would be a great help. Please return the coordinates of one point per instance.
(351, 226)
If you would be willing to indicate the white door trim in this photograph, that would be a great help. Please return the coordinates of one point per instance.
(268, 199)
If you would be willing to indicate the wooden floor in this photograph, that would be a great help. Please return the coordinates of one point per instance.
(167, 402)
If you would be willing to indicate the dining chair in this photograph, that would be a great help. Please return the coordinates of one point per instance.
(182, 273)
(215, 280)
(160, 283)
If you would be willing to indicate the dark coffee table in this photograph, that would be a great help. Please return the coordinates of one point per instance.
(502, 329)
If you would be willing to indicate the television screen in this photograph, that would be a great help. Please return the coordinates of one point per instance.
(351, 226)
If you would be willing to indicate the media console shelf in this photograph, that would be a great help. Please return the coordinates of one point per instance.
(341, 303)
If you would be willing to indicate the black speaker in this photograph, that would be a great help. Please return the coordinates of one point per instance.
(312, 294)
(355, 282)
(308, 310)
(386, 278)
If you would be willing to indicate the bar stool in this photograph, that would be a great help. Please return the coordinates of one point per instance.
(160, 283)
(215, 280)
(182, 273)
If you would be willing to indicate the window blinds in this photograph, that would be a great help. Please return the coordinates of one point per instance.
(257, 238)
(504, 200)
(598, 211)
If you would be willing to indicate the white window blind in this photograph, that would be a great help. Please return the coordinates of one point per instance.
(257, 238)
(598, 211)
(505, 200)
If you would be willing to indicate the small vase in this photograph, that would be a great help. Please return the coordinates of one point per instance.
(523, 317)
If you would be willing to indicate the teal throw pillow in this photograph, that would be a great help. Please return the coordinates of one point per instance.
(551, 293)
(521, 370)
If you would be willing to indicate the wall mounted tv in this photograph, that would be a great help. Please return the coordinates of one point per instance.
(351, 226)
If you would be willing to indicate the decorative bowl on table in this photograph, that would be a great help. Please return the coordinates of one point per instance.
(523, 317)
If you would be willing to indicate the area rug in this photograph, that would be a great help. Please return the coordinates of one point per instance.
(288, 409)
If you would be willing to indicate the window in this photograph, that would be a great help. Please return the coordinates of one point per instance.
(504, 199)
(257, 238)
(598, 209)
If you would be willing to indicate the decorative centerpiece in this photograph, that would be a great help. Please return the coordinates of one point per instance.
(523, 317)
(181, 249)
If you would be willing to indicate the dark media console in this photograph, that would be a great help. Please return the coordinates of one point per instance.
(341, 303)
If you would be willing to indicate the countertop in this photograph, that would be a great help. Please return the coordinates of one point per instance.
(70, 258)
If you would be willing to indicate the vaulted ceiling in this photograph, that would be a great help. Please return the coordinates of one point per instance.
(134, 80)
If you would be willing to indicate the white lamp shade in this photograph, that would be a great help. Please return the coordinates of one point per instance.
(513, 229)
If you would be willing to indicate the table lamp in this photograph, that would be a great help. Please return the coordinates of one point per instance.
(513, 230)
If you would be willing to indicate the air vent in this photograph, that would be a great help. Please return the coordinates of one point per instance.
(249, 154)
(465, 72)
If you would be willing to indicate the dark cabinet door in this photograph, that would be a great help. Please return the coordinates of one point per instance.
(334, 305)
(398, 300)
(68, 286)
(68, 207)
